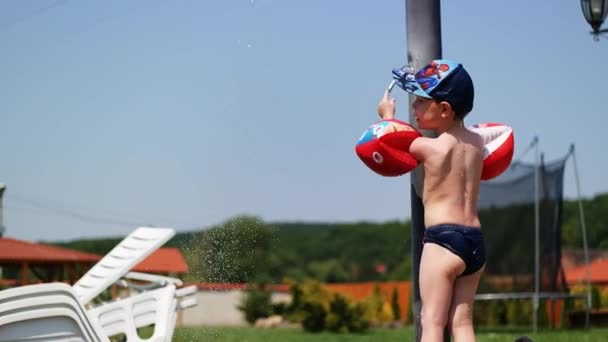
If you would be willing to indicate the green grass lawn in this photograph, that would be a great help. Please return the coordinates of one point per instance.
(401, 334)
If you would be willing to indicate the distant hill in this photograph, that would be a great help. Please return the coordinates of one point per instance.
(358, 251)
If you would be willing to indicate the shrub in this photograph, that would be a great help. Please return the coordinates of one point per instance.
(314, 317)
(358, 324)
(508, 312)
(256, 304)
(604, 298)
(318, 309)
(346, 317)
(596, 299)
(378, 309)
(519, 312)
(309, 305)
(491, 313)
(395, 305)
(279, 308)
(338, 314)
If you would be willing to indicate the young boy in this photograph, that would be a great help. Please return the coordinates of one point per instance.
(453, 255)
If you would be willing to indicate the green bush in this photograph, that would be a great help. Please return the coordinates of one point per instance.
(596, 297)
(294, 311)
(395, 305)
(603, 298)
(519, 312)
(256, 304)
(490, 313)
(309, 305)
(358, 324)
(378, 309)
(346, 317)
(279, 308)
(317, 309)
(336, 320)
(513, 312)
(314, 317)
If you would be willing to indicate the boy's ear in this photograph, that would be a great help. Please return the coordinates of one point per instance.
(446, 110)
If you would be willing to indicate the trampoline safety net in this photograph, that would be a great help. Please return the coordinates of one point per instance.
(507, 214)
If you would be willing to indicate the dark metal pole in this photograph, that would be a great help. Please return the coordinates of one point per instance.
(423, 31)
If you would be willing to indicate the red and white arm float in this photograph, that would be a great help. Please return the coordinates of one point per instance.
(499, 145)
(384, 148)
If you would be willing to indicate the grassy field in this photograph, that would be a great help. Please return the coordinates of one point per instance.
(384, 335)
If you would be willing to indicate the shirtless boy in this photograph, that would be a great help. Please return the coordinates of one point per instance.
(453, 255)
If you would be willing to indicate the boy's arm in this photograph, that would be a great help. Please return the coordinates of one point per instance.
(386, 107)
(421, 148)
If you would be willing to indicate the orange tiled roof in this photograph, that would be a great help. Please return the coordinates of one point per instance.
(12, 250)
(598, 273)
(163, 260)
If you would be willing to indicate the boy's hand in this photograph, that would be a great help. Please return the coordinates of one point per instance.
(386, 107)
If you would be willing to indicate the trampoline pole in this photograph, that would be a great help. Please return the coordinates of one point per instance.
(581, 213)
(535, 300)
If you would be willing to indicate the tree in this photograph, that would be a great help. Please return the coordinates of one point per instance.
(330, 271)
(235, 251)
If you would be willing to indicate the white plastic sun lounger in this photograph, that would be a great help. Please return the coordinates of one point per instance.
(45, 312)
(121, 259)
(56, 311)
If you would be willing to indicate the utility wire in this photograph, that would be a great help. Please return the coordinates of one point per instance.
(70, 213)
(41, 206)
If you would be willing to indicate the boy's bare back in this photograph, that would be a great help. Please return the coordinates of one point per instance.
(452, 164)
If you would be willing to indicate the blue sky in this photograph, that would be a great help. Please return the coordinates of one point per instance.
(186, 113)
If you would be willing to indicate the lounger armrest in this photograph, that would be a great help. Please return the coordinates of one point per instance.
(186, 291)
(186, 303)
(153, 278)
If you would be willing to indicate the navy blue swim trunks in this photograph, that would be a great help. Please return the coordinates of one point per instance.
(466, 242)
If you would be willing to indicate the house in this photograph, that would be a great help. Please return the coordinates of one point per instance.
(598, 273)
(167, 261)
(24, 262)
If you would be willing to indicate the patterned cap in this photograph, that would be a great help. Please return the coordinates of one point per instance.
(442, 80)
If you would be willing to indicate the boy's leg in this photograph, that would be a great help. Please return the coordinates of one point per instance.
(461, 310)
(438, 269)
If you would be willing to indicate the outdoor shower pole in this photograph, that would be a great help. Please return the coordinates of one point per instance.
(423, 35)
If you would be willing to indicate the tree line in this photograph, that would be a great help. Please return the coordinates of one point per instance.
(247, 249)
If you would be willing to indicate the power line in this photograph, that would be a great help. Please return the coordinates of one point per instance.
(70, 213)
(59, 209)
